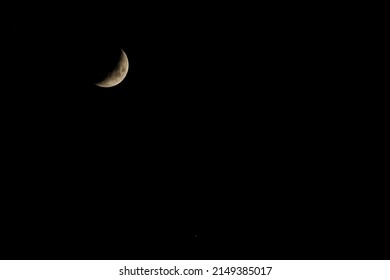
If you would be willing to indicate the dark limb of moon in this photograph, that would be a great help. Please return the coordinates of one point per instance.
(118, 74)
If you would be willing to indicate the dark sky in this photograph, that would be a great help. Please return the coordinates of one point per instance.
(134, 171)
(215, 132)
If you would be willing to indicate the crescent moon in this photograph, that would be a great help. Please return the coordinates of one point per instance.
(117, 75)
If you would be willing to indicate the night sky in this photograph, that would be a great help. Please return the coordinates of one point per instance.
(214, 146)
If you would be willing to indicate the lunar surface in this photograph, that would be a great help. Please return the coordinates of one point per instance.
(118, 74)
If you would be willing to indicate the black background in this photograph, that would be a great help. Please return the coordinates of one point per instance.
(232, 137)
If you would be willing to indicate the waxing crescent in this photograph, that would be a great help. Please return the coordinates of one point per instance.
(117, 75)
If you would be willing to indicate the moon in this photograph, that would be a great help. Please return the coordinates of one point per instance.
(117, 75)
